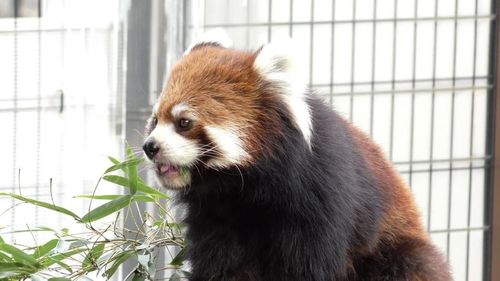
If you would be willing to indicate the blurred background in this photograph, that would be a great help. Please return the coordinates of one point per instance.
(78, 78)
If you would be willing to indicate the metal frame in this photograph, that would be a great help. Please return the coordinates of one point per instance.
(492, 241)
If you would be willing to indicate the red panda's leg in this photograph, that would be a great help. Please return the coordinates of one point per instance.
(407, 260)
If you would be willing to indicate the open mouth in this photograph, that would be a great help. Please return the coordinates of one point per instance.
(168, 170)
(173, 176)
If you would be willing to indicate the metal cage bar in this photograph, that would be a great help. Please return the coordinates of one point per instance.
(492, 243)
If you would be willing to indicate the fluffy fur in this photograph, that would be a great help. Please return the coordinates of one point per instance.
(274, 198)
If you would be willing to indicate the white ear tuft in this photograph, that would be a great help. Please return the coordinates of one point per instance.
(282, 57)
(282, 63)
(216, 35)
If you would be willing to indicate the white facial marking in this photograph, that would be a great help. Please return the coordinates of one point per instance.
(279, 62)
(175, 148)
(184, 109)
(176, 183)
(229, 143)
(155, 108)
(216, 35)
(179, 108)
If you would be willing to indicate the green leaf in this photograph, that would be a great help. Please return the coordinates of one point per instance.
(179, 258)
(35, 229)
(175, 277)
(62, 246)
(44, 249)
(137, 197)
(5, 258)
(92, 256)
(99, 197)
(42, 204)
(138, 277)
(143, 260)
(107, 208)
(130, 152)
(65, 266)
(19, 255)
(8, 270)
(132, 178)
(119, 180)
(113, 160)
(118, 260)
(132, 171)
(124, 169)
(124, 164)
(56, 258)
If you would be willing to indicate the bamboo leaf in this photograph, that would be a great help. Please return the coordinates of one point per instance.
(9, 270)
(18, 255)
(99, 197)
(175, 277)
(52, 259)
(91, 258)
(35, 229)
(117, 261)
(123, 165)
(122, 181)
(44, 249)
(124, 169)
(5, 258)
(113, 160)
(138, 277)
(107, 208)
(137, 197)
(178, 259)
(132, 178)
(132, 171)
(41, 204)
(65, 266)
(62, 246)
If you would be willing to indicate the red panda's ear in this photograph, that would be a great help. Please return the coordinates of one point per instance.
(281, 62)
(213, 37)
(280, 58)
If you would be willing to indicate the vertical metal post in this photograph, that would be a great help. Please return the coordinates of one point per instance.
(137, 90)
(492, 271)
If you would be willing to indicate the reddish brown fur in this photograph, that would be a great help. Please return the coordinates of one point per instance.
(223, 88)
(402, 220)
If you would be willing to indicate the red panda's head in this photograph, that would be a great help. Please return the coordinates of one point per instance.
(223, 108)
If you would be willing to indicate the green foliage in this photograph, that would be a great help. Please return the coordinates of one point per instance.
(100, 249)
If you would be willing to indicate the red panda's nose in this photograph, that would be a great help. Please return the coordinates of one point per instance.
(151, 148)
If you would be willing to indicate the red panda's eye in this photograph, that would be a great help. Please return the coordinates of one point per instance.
(154, 121)
(184, 124)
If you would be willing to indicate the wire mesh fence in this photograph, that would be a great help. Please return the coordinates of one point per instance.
(59, 108)
(415, 75)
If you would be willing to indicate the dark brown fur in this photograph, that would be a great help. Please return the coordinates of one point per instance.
(336, 210)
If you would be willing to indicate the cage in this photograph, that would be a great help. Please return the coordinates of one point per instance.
(419, 76)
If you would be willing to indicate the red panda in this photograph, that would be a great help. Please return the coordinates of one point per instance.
(278, 186)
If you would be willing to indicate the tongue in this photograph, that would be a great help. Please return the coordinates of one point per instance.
(164, 168)
(168, 169)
